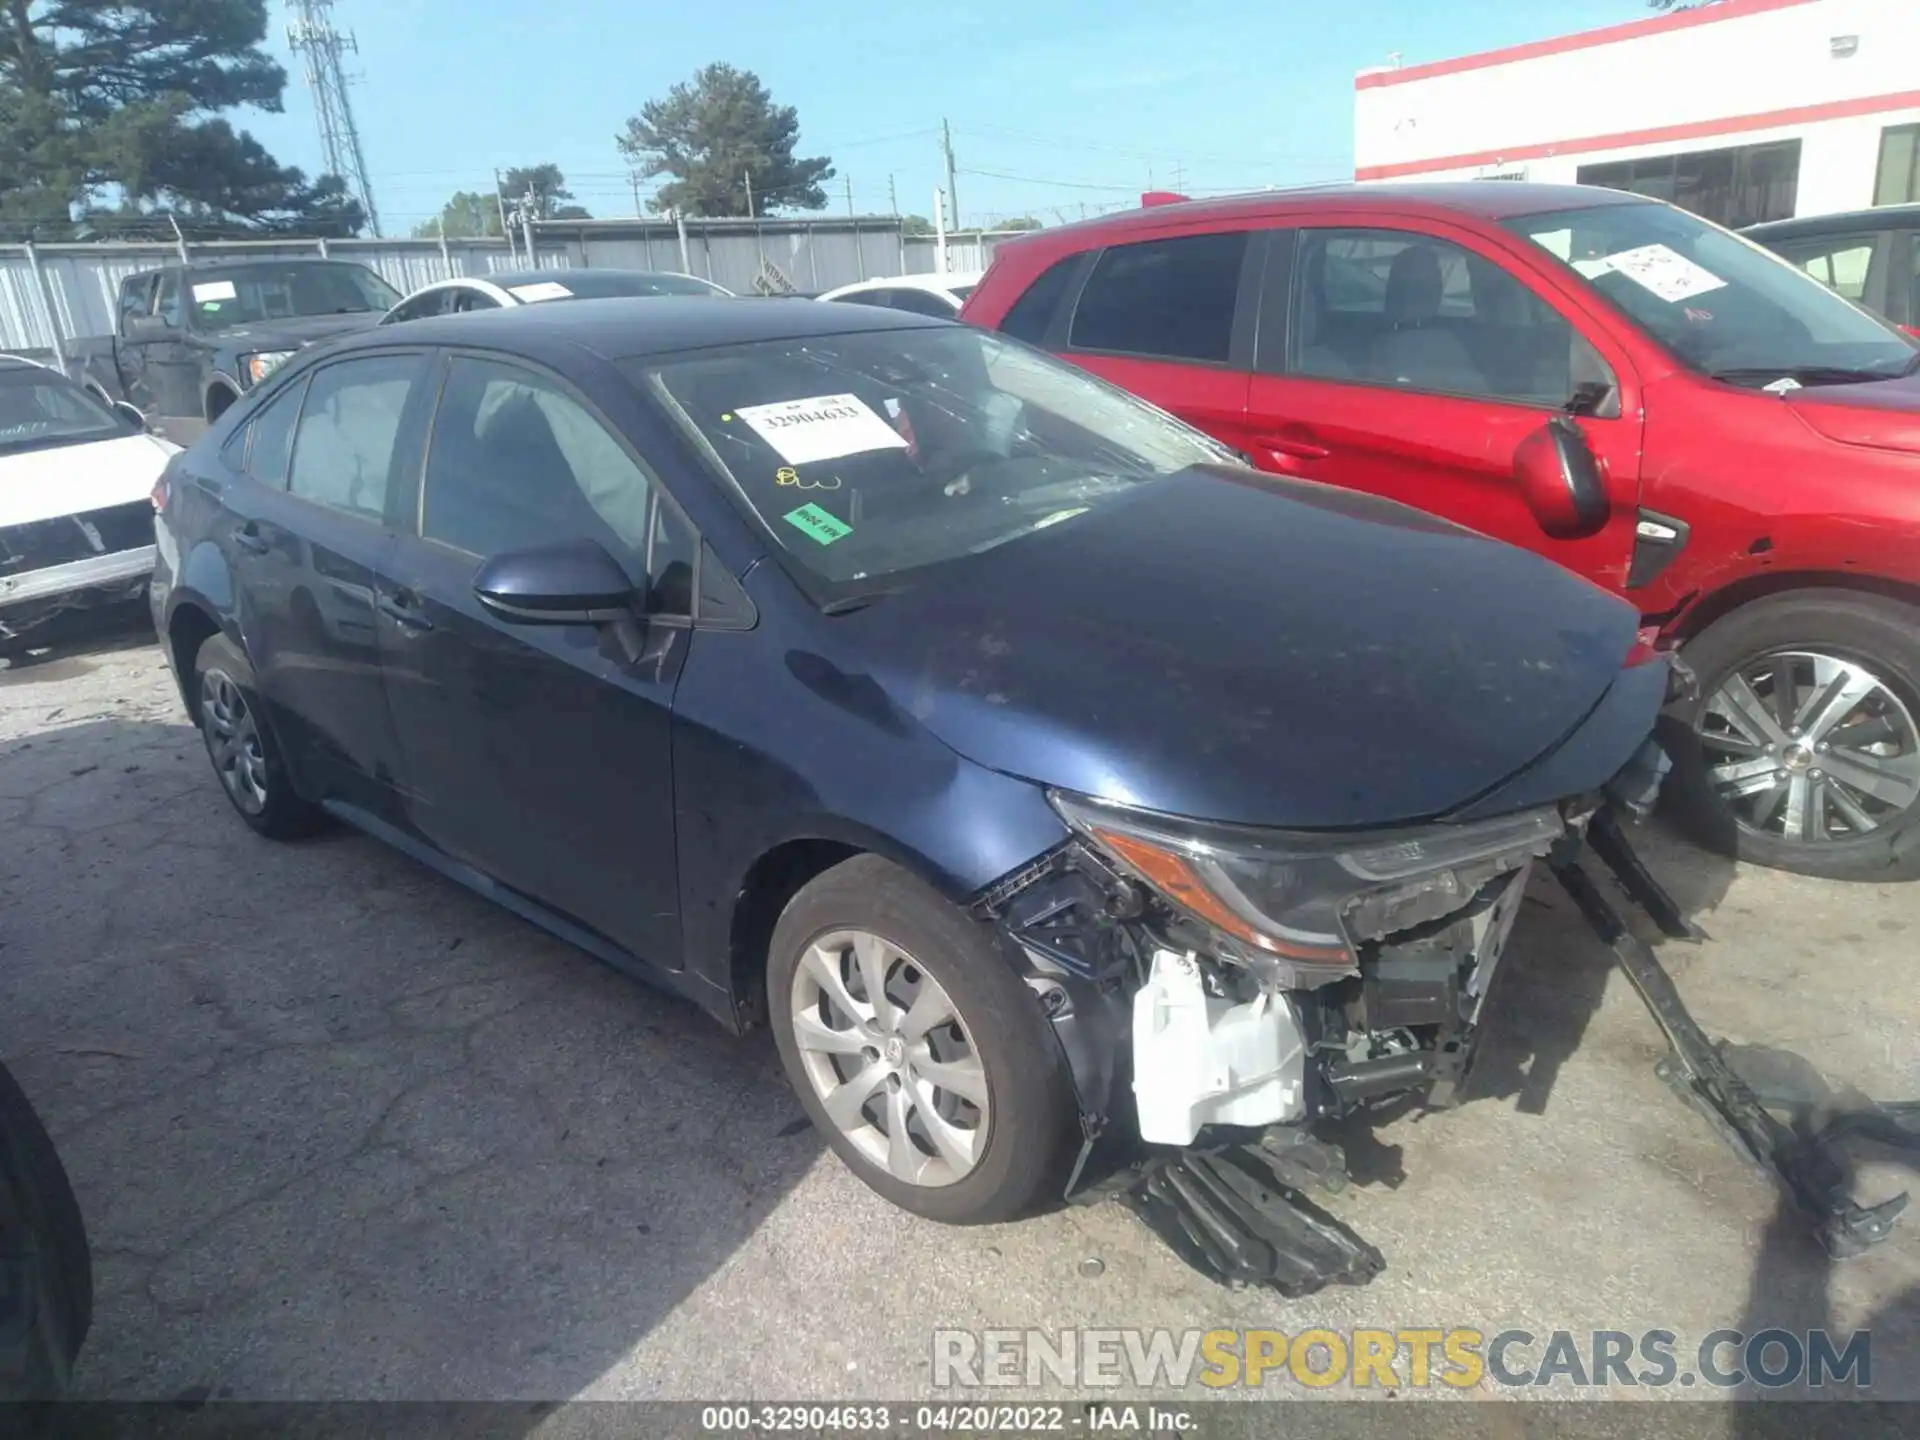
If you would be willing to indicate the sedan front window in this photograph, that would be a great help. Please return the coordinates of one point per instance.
(868, 455)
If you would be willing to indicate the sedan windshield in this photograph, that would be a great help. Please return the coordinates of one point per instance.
(1720, 303)
(872, 454)
(39, 410)
(248, 295)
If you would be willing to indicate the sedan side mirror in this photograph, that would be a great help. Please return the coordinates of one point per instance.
(574, 583)
(130, 413)
(1561, 480)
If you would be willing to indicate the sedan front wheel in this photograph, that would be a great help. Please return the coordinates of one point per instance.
(916, 1049)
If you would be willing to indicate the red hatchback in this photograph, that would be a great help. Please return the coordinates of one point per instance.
(1748, 442)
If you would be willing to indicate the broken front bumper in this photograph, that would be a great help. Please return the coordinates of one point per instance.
(1238, 1211)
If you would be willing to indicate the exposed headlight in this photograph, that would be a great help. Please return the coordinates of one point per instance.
(1293, 904)
(263, 364)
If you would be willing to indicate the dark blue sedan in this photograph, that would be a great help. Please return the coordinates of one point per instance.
(1033, 768)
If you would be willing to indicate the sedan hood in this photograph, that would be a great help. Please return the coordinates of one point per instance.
(1230, 646)
(1883, 414)
(59, 480)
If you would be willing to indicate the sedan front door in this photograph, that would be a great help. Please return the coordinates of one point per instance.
(540, 754)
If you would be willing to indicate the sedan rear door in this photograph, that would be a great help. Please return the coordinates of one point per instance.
(306, 523)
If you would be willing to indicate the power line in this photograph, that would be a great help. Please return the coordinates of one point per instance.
(1074, 143)
(1043, 180)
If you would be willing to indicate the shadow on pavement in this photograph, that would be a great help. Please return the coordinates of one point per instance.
(339, 1128)
(59, 648)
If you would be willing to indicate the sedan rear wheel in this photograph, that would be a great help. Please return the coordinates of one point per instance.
(916, 1048)
(242, 747)
(1804, 743)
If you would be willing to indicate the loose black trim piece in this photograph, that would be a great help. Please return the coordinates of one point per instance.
(1806, 1166)
(1232, 1216)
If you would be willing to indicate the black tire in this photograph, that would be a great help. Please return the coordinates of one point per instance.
(40, 1229)
(1034, 1130)
(1881, 634)
(275, 810)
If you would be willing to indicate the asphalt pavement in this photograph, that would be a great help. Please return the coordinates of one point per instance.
(342, 1130)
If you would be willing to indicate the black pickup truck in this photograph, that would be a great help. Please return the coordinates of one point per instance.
(191, 339)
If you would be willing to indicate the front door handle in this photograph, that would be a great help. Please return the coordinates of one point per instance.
(1297, 442)
(403, 607)
(248, 537)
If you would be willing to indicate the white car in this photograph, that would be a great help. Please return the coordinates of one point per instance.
(941, 295)
(534, 287)
(76, 509)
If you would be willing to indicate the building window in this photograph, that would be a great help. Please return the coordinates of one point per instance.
(1898, 181)
(1741, 185)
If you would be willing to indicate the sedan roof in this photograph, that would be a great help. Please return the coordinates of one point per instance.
(633, 327)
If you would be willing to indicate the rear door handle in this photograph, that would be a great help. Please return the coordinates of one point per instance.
(248, 537)
(1300, 444)
(403, 607)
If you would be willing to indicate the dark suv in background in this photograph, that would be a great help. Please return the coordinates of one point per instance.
(1871, 257)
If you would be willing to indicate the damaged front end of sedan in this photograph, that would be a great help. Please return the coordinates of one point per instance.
(1220, 991)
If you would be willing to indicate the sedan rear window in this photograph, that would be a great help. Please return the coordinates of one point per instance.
(869, 455)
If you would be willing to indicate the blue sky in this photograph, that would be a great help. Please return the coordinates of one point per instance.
(1055, 103)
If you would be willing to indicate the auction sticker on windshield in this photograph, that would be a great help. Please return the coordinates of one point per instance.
(820, 524)
(542, 290)
(214, 290)
(1666, 272)
(822, 427)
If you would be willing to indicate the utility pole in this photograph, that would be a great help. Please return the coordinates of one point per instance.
(893, 200)
(527, 210)
(680, 227)
(849, 197)
(312, 35)
(747, 175)
(859, 255)
(953, 194)
(500, 198)
(633, 180)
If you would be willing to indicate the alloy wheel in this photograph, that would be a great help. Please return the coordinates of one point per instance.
(1810, 747)
(233, 740)
(890, 1058)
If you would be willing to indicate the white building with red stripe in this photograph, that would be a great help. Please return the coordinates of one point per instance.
(1742, 110)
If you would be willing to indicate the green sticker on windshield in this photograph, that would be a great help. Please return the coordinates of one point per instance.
(813, 521)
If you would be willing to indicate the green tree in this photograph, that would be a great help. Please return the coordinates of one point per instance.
(468, 215)
(128, 97)
(1018, 222)
(915, 225)
(551, 198)
(716, 133)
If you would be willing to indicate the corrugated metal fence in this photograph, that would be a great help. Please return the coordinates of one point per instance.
(53, 293)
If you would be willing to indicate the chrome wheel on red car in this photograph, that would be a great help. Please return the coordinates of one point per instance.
(1802, 748)
(1811, 747)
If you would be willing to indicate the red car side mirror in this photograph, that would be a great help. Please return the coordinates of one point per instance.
(1561, 479)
